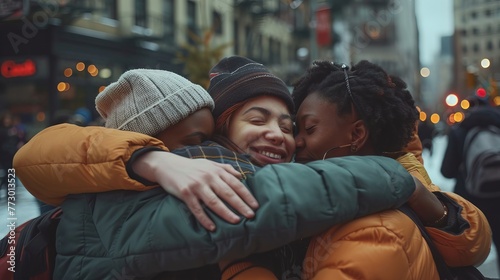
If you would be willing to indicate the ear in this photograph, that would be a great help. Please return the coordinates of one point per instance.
(359, 135)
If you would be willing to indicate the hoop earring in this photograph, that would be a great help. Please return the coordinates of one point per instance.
(354, 148)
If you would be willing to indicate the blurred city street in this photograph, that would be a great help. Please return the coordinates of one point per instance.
(26, 206)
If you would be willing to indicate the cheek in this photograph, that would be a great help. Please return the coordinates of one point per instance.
(236, 132)
(317, 143)
(290, 143)
(172, 143)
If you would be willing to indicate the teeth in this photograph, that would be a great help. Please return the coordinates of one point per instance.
(271, 155)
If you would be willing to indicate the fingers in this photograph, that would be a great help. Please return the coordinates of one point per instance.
(231, 170)
(195, 207)
(214, 203)
(241, 192)
(238, 187)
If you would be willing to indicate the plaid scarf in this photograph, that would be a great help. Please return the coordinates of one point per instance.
(212, 151)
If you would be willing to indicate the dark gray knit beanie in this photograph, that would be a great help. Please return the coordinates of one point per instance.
(235, 79)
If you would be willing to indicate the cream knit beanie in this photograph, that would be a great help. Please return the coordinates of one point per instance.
(149, 101)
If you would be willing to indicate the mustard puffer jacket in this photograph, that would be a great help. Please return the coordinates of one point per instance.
(386, 245)
(93, 159)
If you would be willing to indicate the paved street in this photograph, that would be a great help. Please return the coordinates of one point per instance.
(26, 206)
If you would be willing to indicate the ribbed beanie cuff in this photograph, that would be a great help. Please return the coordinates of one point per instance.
(149, 101)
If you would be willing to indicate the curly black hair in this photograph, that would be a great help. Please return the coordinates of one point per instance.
(381, 100)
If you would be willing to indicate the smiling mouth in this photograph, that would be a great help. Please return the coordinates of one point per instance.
(270, 155)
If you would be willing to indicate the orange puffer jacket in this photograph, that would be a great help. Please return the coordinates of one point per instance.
(386, 245)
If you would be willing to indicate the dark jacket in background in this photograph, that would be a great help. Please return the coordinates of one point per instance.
(453, 159)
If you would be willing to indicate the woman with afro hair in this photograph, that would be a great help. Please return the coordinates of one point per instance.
(365, 111)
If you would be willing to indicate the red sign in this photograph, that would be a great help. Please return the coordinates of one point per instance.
(323, 27)
(11, 69)
(12, 9)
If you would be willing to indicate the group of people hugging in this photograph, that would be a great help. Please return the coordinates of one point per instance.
(247, 180)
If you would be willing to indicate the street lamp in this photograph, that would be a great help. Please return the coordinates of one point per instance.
(485, 63)
(451, 100)
(425, 72)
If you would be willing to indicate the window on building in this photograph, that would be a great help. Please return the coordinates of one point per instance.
(475, 31)
(464, 32)
(217, 22)
(473, 15)
(236, 42)
(110, 9)
(487, 12)
(272, 52)
(191, 15)
(475, 48)
(140, 13)
(258, 46)
(489, 45)
(169, 20)
(489, 29)
(464, 49)
(278, 52)
(248, 40)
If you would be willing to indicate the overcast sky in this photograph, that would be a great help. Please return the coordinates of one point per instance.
(434, 19)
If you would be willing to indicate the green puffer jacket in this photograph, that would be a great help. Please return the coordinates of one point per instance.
(136, 235)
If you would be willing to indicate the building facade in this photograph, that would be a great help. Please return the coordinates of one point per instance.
(56, 56)
(384, 32)
(477, 45)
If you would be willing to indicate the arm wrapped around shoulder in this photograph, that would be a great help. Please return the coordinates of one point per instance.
(68, 159)
(295, 200)
(321, 194)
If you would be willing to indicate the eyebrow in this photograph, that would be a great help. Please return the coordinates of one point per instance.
(303, 117)
(267, 113)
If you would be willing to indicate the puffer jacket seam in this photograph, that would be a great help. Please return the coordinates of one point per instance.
(288, 214)
(371, 228)
(395, 187)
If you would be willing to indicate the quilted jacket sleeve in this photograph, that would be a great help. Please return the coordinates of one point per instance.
(67, 159)
(295, 201)
(472, 245)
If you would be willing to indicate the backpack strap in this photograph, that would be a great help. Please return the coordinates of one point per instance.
(441, 266)
(445, 272)
(38, 253)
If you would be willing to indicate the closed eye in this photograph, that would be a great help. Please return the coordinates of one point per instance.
(310, 129)
(286, 129)
(257, 121)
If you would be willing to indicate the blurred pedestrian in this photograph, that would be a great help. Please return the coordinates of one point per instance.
(12, 137)
(481, 113)
(426, 133)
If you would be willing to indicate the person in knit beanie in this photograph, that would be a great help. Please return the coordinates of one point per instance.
(150, 101)
(237, 79)
(252, 110)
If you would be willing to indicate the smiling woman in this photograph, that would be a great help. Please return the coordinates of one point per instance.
(253, 110)
(262, 128)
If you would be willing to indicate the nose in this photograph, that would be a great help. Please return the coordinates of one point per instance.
(274, 134)
(299, 142)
